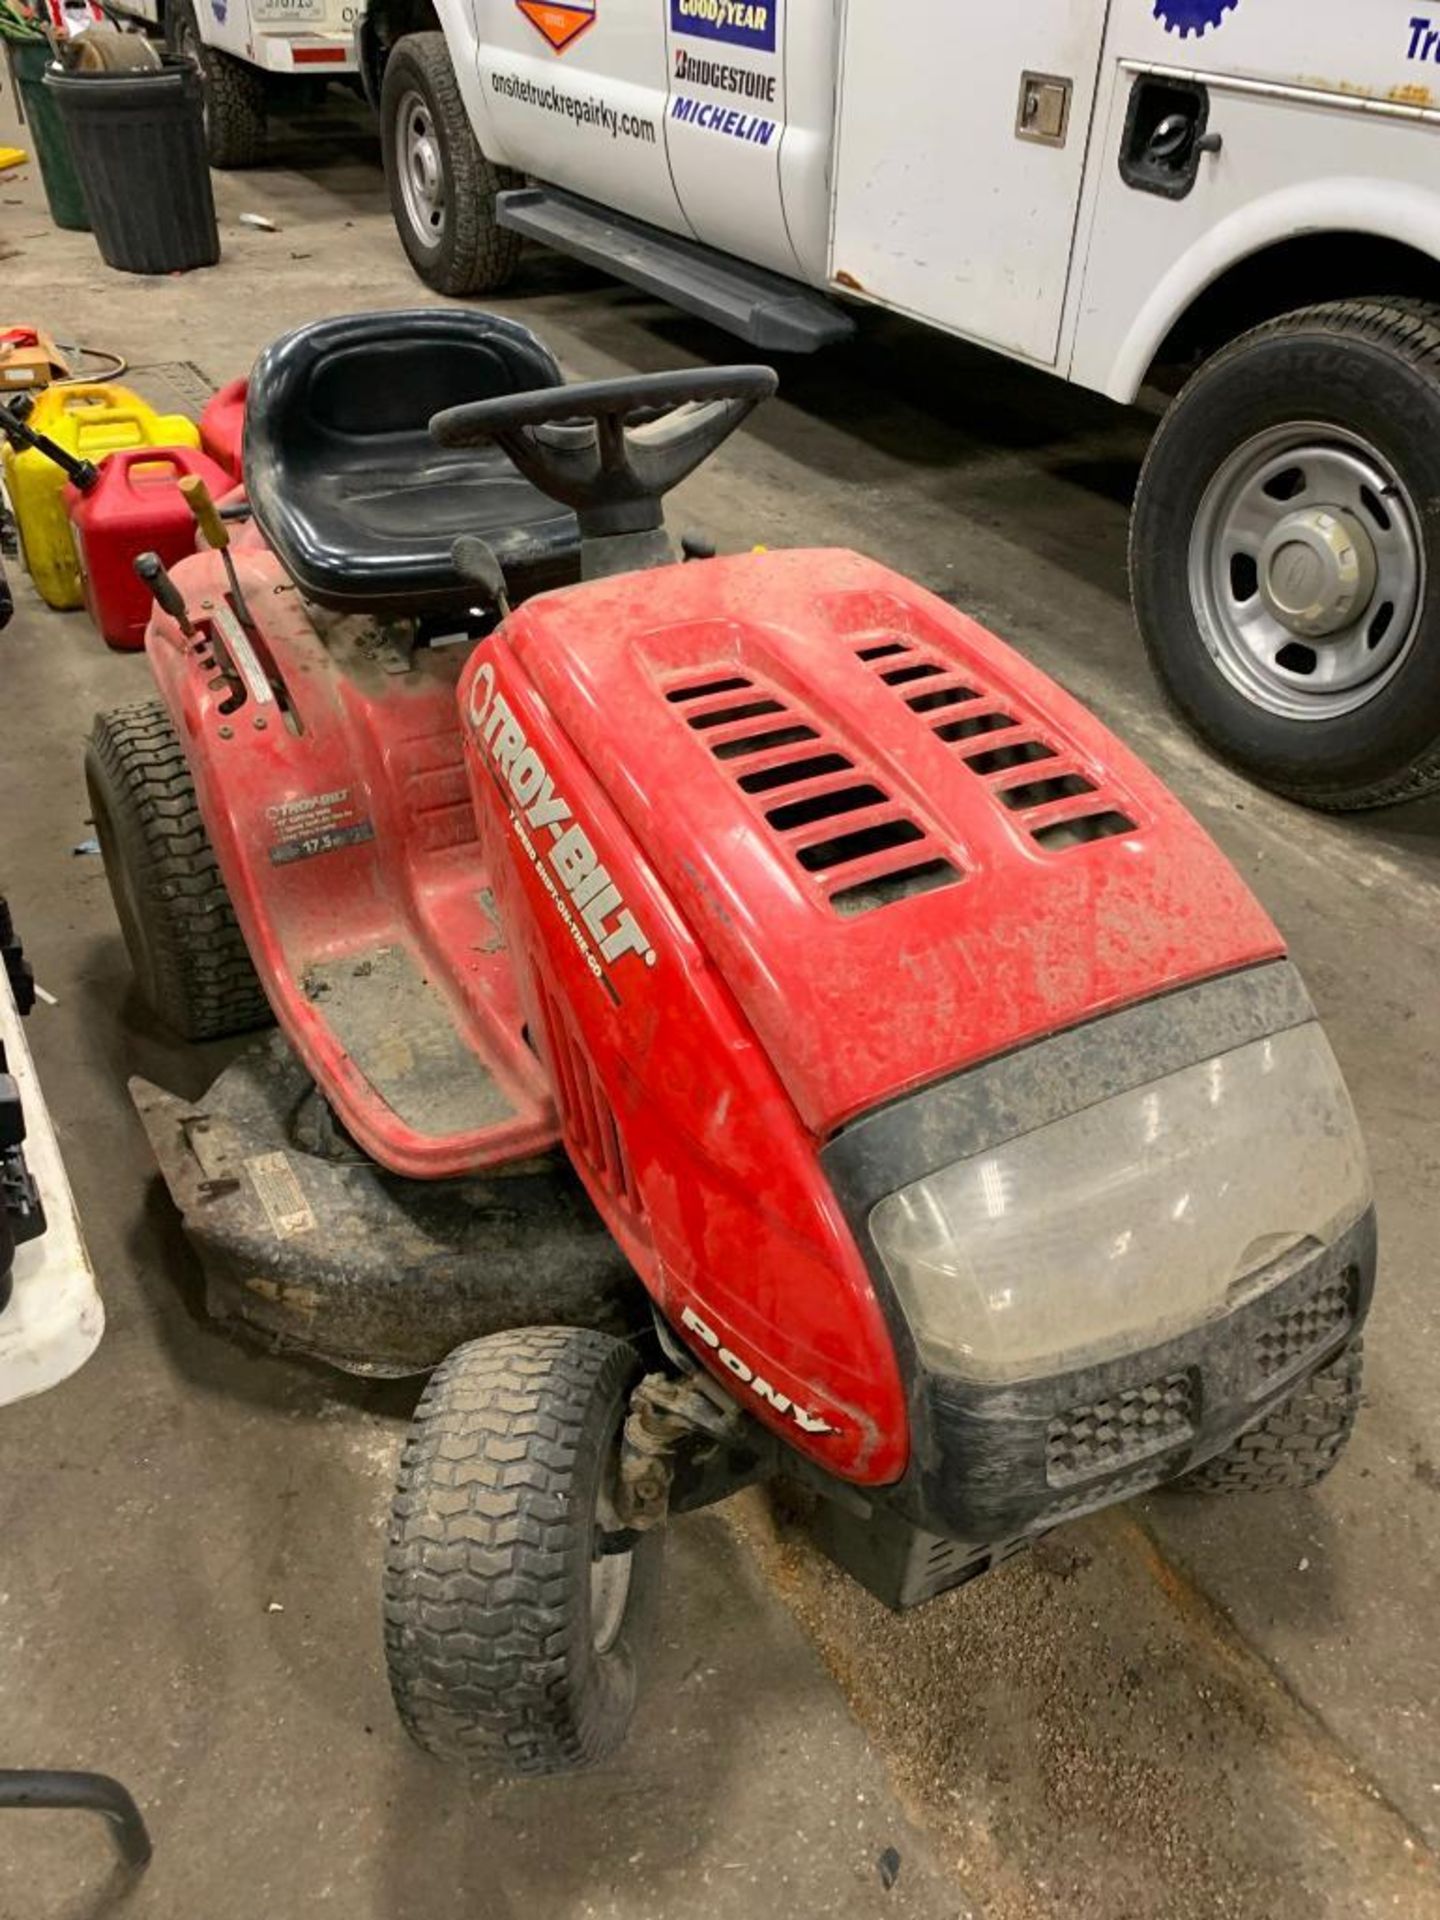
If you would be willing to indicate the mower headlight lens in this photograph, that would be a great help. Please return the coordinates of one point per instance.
(1130, 1221)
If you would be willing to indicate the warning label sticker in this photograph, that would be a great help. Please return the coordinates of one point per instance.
(316, 823)
(280, 1194)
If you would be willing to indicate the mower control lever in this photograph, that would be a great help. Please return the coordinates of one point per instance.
(612, 449)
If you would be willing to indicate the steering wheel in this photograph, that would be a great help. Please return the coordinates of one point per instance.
(612, 449)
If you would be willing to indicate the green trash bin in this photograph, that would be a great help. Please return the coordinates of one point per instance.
(28, 61)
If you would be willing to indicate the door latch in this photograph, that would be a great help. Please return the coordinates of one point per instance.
(1044, 112)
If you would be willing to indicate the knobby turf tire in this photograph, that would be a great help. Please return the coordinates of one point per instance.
(475, 253)
(488, 1631)
(235, 106)
(1297, 1444)
(185, 945)
(1372, 366)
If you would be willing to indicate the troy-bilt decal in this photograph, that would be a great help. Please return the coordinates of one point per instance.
(560, 21)
(1424, 40)
(1192, 16)
(716, 117)
(782, 1403)
(571, 871)
(701, 71)
(316, 823)
(742, 23)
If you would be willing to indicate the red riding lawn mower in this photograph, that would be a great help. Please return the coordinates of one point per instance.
(756, 1020)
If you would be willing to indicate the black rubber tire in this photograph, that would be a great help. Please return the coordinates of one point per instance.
(234, 93)
(474, 253)
(1298, 1443)
(1372, 366)
(188, 952)
(488, 1633)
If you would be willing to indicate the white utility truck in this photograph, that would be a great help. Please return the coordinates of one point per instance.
(253, 54)
(1238, 199)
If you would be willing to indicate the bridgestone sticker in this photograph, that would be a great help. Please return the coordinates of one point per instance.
(316, 823)
(281, 1195)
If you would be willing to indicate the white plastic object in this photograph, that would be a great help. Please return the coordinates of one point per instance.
(54, 1318)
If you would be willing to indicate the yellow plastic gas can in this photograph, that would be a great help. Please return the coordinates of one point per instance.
(88, 420)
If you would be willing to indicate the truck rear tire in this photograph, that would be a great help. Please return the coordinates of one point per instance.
(442, 188)
(512, 1639)
(1298, 1443)
(234, 93)
(189, 955)
(1285, 555)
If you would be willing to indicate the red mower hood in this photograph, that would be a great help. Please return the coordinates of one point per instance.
(904, 848)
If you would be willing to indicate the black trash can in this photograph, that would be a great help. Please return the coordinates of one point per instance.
(138, 143)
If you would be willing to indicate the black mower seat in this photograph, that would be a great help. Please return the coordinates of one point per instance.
(355, 497)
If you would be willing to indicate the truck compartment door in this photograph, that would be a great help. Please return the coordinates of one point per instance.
(961, 138)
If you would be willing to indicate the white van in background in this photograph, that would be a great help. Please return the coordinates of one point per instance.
(1240, 198)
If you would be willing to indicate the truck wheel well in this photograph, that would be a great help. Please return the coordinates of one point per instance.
(1294, 273)
(387, 21)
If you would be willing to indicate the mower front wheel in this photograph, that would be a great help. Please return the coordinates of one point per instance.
(189, 955)
(1298, 1443)
(517, 1613)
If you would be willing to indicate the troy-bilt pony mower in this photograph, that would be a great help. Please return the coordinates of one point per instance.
(943, 1124)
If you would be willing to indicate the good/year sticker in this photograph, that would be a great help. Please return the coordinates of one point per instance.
(741, 23)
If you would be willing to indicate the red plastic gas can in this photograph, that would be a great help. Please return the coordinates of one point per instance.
(135, 507)
(222, 427)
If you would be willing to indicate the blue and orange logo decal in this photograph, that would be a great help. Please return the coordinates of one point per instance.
(560, 21)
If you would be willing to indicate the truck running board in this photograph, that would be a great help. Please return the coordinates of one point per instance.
(764, 309)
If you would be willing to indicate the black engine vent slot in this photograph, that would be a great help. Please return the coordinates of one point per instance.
(1042, 793)
(824, 806)
(731, 716)
(822, 855)
(752, 743)
(1079, 833)
(679, 695)
(904, 884)
(1020, 753)
(790, 772)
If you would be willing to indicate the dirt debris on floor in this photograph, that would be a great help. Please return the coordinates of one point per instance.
(1088, 1737)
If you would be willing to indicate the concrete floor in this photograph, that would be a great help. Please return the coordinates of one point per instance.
(1182, 1710)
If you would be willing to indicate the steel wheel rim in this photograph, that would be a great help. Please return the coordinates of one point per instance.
(609, 1597)
(421, 168)
(609, 1577)
(1274, 517)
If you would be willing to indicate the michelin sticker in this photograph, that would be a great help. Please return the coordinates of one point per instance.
(740, 23)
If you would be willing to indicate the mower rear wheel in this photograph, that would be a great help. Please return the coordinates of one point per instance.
(513, 1637)
(1298, 1443)
(185, 944)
